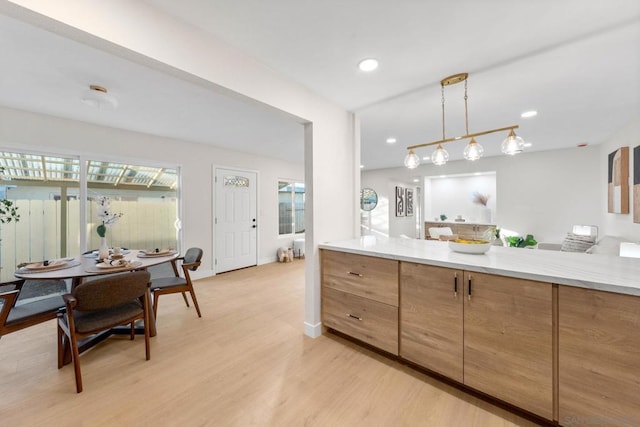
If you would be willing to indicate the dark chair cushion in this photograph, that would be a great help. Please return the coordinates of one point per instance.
(167, 282)
(21, 312)
(111, 291)
(193, 255)
(91, 321)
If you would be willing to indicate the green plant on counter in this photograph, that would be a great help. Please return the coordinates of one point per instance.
(443, 217)
(520, 242)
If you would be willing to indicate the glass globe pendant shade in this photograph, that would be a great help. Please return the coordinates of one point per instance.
(513, 144)
(473, 151)
(412, 160)
(440, 156)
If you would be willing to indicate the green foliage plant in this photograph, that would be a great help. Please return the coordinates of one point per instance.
(520, 242)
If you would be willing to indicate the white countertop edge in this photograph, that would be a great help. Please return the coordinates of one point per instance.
(610, 273)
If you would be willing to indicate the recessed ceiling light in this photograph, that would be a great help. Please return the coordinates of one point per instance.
(582, 145)
(368, 64)
(427, 159)
(361, 166)
(527, 144)
(416, 180)
(391, 140)
(528, 114)
(443, 176)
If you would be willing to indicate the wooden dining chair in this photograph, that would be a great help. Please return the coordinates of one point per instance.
(15, 316)
(174, 284)
(100, 305)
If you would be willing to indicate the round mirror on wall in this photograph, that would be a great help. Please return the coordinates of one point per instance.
(368, 199)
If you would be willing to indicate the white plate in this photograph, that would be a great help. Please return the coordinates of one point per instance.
(51, 265)
(94, 254)
(128, 264)
(469, 248)
(161, 252)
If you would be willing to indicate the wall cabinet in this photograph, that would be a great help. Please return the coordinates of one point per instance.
(599, 357)
(360, 298)
(508, 340)
(431, 318)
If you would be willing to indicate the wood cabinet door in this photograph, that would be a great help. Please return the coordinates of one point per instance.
(508, 340)
(599, 357)
(431, 318)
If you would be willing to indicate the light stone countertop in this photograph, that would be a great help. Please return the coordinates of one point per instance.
(593, 271)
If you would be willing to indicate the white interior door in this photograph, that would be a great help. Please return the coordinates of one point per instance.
(235, 219)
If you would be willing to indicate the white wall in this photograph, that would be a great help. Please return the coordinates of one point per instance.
(21, 130)
(452, 196)
(140, 32)
(620, 224)
(540, 193)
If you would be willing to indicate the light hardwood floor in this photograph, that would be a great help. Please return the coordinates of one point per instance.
(246, 362)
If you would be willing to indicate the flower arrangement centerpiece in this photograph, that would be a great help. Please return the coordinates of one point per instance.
(107, 217)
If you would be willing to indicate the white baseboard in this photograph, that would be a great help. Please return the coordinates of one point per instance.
(202, 273)
(267, 260)
(313, 331)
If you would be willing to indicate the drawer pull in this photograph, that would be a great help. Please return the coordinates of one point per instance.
(354, 274)
(354, 317)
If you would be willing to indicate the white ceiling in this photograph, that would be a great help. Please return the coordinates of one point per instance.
(576, 61)
(46, 73)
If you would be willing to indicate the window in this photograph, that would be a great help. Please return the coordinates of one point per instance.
(291, 207)
(46, 190)
(147, 198)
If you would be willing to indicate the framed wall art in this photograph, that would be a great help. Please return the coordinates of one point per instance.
(400, 202)
(618, 181)
(408, 198)
(636, 184)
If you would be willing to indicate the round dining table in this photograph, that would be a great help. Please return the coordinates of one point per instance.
(81, 266)
(86, 265)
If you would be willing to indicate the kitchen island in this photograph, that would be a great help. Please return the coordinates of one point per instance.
(553, 333)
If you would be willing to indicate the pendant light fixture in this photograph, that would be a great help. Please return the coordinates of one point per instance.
(473, 151)
(440, 156)
(512, 145)
(412, 160)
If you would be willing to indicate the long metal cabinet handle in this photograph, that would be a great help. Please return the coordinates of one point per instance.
(469, 287)
(455, 284)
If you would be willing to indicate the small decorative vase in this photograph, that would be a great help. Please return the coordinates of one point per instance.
(103, 250)
(485, 215)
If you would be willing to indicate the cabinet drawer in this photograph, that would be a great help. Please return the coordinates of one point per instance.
(370, 321)
(369, 277)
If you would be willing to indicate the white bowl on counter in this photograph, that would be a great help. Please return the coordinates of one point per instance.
(469, 248)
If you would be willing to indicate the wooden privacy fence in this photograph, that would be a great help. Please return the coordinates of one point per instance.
(41, 234)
